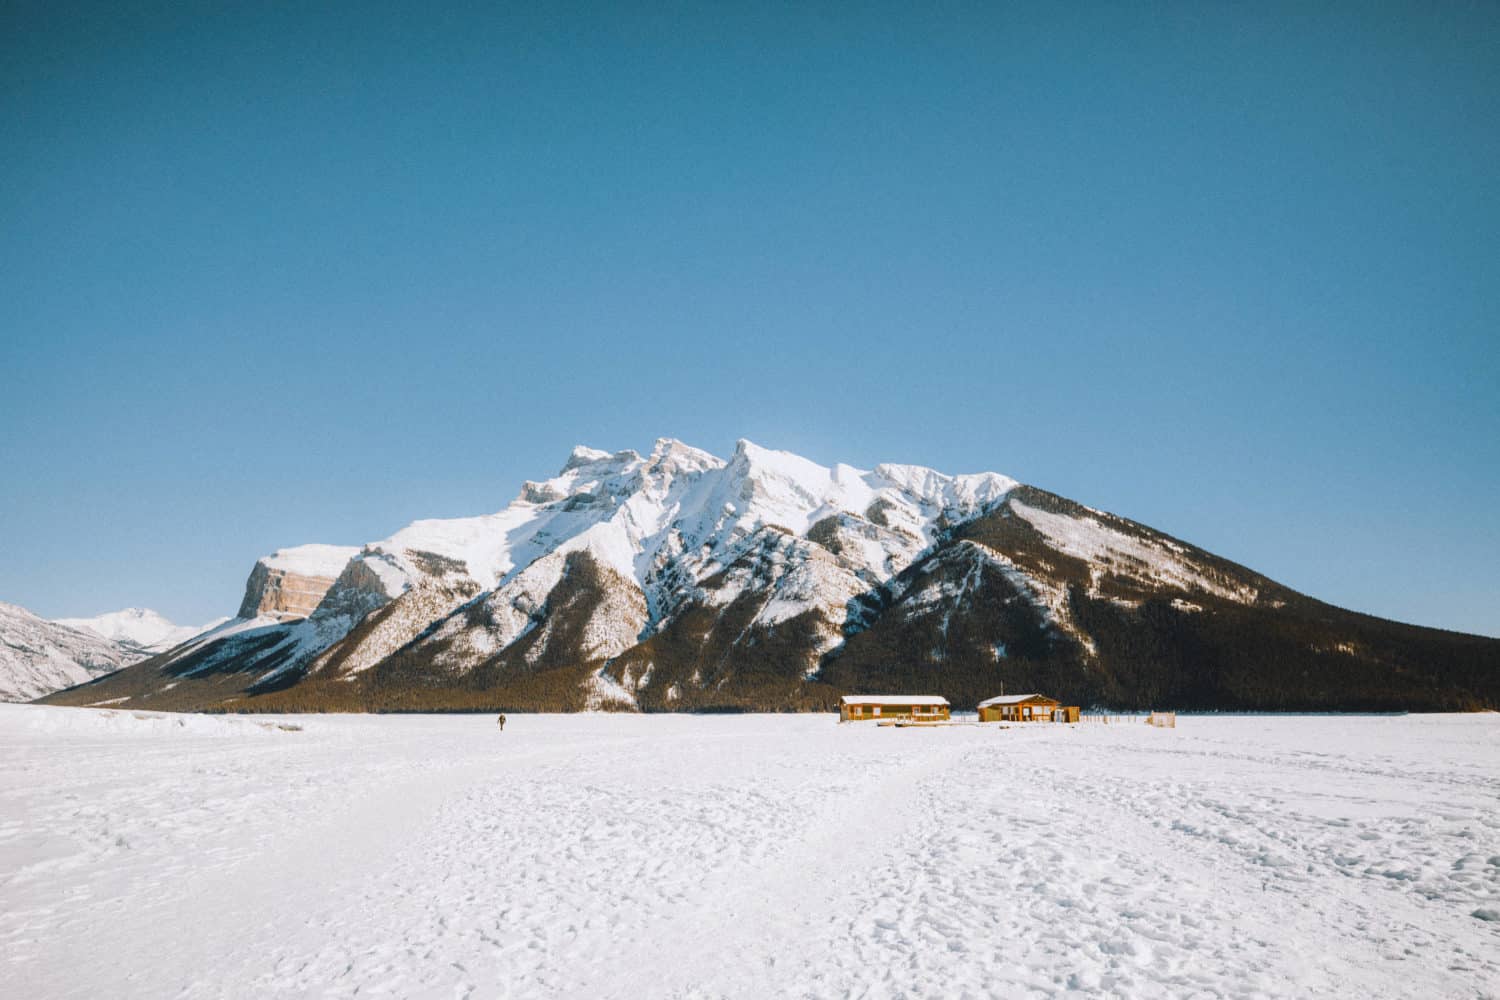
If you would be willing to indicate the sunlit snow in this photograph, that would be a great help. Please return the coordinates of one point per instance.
(611, 856)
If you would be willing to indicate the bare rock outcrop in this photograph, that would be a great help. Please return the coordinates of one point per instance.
(290, 583)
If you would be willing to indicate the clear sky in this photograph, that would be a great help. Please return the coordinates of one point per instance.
(273, 275)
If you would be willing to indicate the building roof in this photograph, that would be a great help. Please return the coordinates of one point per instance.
(1015, 699)
(894, 699)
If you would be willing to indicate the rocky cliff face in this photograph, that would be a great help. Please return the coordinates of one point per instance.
(680, 581)
(291, 583)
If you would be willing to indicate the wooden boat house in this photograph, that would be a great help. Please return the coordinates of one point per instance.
(1026, 708)
(917, 707)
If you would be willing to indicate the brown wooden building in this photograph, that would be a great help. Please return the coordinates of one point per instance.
(872, 707)
(1026, 708)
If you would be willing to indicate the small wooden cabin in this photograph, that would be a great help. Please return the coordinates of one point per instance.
(919, 707)
(1026, 708)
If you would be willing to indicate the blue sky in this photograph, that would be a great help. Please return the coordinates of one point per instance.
(277, 276)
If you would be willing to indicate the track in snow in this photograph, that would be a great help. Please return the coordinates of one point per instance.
(623, 856)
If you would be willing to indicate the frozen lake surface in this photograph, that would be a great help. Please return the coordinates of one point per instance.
(753, 856)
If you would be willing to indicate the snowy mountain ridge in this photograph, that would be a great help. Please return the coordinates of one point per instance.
(140, 628)
(38, 657)
(628, 510)
(676, 579)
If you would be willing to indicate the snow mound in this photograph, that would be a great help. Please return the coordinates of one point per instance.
(55, 720)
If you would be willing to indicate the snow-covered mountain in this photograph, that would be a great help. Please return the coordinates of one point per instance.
(138, 628)
(679, 580)
(38, 657)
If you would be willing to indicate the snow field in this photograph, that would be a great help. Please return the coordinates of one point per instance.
(752, 856)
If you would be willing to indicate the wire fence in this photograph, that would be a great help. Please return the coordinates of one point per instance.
(1161, 720)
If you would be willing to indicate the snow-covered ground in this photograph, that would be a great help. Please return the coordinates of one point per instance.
(755, 856)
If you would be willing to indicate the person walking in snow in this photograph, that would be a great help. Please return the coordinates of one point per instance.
(502, 722)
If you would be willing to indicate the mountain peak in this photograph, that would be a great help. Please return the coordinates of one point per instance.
(746, 449)
(670, 451)
(582, 455)
(135, 628)
(789, 464)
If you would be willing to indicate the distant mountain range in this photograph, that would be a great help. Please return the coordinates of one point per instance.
(39, 656)
(138, 629)
(678, 581)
